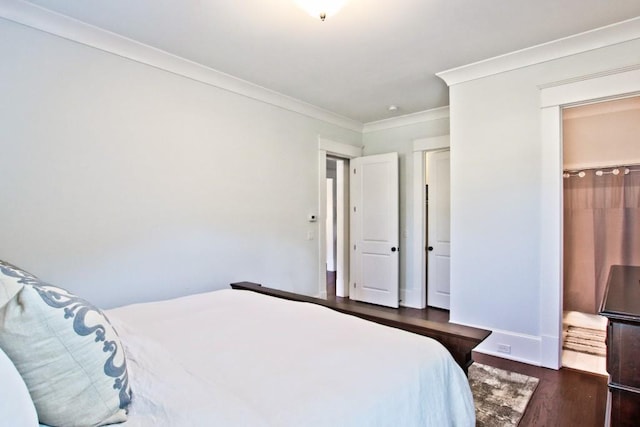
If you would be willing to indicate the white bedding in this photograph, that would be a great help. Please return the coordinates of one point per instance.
(238, 358)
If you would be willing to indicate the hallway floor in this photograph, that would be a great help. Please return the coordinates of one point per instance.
(428, 313)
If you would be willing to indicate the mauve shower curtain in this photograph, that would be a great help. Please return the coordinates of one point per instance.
(601, 229)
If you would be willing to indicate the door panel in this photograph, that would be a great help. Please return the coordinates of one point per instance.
(439, 229)
(374, 229)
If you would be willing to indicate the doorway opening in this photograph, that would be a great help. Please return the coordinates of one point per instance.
(416, 295)
(373, 194)
(335, 231)
(553, 98)
(330, 152)
(601, 219)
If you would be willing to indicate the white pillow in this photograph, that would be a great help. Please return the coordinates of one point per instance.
(66, 351)
(16, 406)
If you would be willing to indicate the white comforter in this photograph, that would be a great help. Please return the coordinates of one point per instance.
(238, 358)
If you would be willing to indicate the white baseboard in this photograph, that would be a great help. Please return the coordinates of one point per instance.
(550, 352)
(522, 348)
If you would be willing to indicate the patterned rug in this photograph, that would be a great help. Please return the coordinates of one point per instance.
(585, 340)
(500, 396)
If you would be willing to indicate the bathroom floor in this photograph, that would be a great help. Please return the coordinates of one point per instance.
(584, 346)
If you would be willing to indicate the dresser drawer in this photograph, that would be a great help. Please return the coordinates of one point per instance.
(621, 305)
(623, 353)
(625, 408)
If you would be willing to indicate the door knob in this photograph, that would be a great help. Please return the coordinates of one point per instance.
(393, 249)
(430, 248)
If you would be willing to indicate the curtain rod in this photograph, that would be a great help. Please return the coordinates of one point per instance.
(600, 171)
(603, 166)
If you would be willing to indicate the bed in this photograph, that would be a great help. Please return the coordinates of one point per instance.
(240, 358)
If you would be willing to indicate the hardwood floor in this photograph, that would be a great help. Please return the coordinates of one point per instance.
(563, 398)
(429, 313)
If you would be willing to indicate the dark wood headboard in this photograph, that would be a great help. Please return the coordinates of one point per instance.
(458, 339)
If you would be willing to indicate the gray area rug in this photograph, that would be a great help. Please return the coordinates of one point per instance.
(500, 396)
(585, 340)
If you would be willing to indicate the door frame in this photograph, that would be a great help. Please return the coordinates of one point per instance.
(553, 98)
(417, 297)
(328, 147)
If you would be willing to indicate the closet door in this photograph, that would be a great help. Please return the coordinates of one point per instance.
(439, 229)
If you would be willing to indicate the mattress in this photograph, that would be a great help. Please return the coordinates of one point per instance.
(238, 358)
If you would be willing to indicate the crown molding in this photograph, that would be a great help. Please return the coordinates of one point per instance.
(589, 40)
(408, 119)
(36, 17)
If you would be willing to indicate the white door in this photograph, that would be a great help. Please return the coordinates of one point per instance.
(374, 229)
(438, 230)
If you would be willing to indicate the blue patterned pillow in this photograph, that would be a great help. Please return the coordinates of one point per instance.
(66, 350)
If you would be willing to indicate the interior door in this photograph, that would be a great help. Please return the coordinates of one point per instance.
(438, 230)
(374, 229)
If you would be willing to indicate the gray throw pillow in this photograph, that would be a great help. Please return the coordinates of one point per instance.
(66, 351)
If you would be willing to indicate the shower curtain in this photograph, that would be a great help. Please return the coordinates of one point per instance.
(601, 229)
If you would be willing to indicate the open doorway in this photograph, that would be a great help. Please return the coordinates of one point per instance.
(378, 177)
(334, 220)
(601, 219)
(553, 98)
(332, 153)
(416, 295)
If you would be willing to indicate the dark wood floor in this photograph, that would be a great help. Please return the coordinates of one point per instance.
(429, 313)
(563, 398)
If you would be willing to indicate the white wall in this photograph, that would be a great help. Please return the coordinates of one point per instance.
(496, 196)
(123, 182)
(400, 139)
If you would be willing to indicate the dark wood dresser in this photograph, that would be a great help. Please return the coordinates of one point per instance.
(621, 305)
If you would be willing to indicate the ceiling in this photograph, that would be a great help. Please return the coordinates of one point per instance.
(372, 54)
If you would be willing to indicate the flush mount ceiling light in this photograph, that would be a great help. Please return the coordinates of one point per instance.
(321, 8)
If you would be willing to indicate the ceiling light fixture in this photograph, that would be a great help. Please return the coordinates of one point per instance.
(321, 8)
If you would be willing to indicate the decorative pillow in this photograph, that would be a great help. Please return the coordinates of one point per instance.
(66, 350)
(16, 405)
(11, 282)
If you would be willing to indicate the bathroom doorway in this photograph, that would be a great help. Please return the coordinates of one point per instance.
(601, 192)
